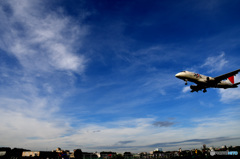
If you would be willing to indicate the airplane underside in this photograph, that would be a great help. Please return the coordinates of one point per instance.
(196, 88)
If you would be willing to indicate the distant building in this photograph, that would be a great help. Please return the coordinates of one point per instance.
(204, 146)
(87, 155)
(59, 150)
(158, 149)
(6, 152)
(144, 155)
(158, 154)
(127, 155)
(107, 155)
(40, 154)
(136, 155)
(180, 149)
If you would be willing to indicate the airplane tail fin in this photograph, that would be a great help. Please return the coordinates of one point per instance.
(231, 79)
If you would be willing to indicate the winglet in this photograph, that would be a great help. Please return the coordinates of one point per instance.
(231, 79)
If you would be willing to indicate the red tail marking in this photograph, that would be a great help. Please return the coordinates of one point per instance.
(231, 79)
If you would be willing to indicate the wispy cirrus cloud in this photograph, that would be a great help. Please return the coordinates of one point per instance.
(129, 136)
(215, 63)
(211, 64)
(25, 122)
(125, 142)
(43, 45)
(186, 144)
(41, 39)
(133, 134)
(186, 89)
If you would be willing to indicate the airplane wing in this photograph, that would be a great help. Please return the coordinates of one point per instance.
(225, 76)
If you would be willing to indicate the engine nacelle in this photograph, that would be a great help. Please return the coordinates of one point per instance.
(193, 87)
(210, 79)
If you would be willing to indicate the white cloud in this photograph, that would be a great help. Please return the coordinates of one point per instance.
(230, 94)
(215, 63)
(24, 120)
(186, 89)
(143, 133)
(33, 127)
(42, 40)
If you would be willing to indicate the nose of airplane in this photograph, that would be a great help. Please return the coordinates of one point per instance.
(178, 75)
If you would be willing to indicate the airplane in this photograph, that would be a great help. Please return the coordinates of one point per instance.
(203, 82)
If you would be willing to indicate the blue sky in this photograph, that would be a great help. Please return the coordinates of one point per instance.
(99, 75)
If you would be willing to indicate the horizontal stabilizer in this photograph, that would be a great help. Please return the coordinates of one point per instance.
(236, 84)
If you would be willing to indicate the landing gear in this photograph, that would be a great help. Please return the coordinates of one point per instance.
(186, 81)
(204, 91)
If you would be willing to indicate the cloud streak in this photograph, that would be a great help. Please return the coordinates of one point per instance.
(215, 63)
(46, 46)
(42, 40)
(128, 133)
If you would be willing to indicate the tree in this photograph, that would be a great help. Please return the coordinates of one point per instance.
(78, 154)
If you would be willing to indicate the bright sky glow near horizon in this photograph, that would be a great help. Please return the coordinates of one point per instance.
(100, 74)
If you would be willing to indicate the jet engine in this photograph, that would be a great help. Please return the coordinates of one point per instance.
(193, 87)
(210, 79)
